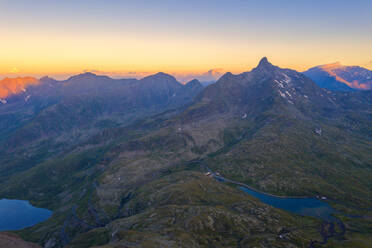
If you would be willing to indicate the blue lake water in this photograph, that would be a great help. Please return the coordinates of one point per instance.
(302, 206)
(17, 214)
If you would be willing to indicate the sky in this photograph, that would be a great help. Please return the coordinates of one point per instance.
(136, 38)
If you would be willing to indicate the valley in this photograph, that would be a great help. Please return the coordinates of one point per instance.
(122, 163)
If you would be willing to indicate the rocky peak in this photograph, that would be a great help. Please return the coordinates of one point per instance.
(193, 83)
(264, 63)
(86, 75)
(160, 78)
(264, 66)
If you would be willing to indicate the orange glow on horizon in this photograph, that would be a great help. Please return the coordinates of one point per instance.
(57, 53)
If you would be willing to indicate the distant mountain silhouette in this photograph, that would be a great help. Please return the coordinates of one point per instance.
(342, 78)
(88, 101)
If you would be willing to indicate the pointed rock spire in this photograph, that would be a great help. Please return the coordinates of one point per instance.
(264, 62)
(264, 65)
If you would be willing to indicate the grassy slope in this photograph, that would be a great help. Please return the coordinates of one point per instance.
(187, 209)
(145, 167)
(263, 156)
(274, 150)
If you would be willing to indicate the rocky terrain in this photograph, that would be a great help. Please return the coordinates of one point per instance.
(8, 240)
(115, 177)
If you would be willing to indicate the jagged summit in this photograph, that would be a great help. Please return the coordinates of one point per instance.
(264, 64)
(264, 61)
(264, 87)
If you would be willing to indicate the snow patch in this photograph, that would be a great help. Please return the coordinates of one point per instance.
(306, 96)
(282, 94)
(288, 93)
(3, 101)
(279, 83)
(244, 116)
(287, 79)
(27, 98)
(318, 131)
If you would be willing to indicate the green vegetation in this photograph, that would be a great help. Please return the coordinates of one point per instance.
(141, 184)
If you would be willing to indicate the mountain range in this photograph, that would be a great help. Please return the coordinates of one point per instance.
(121, 162)
(87, 103)
(333, 76)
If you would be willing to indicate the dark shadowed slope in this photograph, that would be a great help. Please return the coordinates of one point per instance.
(56, 115)
(273, 129)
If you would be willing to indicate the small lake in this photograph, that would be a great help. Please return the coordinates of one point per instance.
(302, 206)
(17, 214)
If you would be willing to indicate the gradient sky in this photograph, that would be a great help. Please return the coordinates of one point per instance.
(59, 38)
